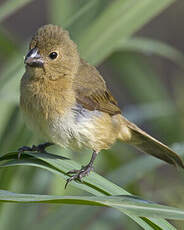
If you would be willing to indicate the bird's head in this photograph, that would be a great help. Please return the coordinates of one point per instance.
(52, 53)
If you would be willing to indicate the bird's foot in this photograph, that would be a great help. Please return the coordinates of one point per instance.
(79, 174)
(39, 148)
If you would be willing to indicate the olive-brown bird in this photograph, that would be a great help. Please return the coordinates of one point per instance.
(67, 101)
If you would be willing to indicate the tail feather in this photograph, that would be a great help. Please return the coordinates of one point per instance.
(150, 145)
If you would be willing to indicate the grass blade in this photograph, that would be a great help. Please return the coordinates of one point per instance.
(119, 21)
(94, 183)
(133, 205)
(150, 47)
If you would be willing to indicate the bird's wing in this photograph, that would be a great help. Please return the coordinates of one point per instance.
(91, 90)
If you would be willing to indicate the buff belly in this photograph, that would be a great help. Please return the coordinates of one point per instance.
(83, 128)
(75, 128)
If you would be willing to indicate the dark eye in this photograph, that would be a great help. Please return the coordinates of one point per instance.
(53, 55)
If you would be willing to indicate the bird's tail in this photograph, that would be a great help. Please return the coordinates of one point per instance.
(133, 135)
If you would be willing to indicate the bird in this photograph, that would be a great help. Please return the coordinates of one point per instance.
(67, 102)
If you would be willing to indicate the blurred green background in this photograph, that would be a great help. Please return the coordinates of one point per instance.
(138, 48)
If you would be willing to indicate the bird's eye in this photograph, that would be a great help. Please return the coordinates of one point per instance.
(53, 55)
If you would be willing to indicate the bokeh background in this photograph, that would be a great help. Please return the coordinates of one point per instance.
(145, 74)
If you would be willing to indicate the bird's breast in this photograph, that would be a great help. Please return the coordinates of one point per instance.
(76, 128)
(57, 117)
(42, 102)
(81, 127)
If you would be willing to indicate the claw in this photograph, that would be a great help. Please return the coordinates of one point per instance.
(72, 172)
(22, 149)
(40, 148)
(79, 174)
(68, 181)
(84, 171)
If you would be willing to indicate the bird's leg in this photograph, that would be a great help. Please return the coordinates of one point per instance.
(39, 148)
(84, 171)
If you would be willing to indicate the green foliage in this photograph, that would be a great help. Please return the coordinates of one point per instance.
(101, 29)
(115, 197)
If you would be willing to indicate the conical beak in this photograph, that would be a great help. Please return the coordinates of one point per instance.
(33, 58)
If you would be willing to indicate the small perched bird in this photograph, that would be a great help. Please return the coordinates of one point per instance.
(67, 101)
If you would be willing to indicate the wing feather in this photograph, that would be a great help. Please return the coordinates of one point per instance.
(91, 90)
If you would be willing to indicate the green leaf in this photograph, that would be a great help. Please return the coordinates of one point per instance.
(119, 21)
(94, 183)
(71, 18)
(149, 47)
(133, 205)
